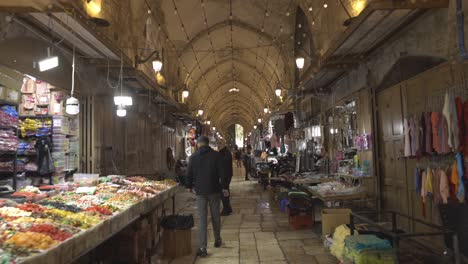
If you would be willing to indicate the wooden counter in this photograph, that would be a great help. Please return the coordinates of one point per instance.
(83, 242)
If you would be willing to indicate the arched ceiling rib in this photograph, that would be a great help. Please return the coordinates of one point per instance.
(242, 44)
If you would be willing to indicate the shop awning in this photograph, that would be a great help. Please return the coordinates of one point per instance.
(376, 24)
(75, 33)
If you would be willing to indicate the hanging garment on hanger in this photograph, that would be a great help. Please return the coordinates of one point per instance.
(417, 180)
(450, 113)
(444, 186)
(443, 136)
(428, 132)
(461, 125)
(422, 125)
(413, 136)
(436, 186)
(435, 131)
(407, 138)
(465, 134)
(461, 187)
(428, 187)
(455, 180)
(423, 192)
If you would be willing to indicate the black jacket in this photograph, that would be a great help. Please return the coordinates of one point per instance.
(226, 163)
(205, 173)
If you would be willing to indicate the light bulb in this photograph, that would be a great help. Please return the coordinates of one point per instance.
(214, 128)
(325, 5)
(265, 110)
(200, 112)
(208, 122)
(255, 127)
(259, 120)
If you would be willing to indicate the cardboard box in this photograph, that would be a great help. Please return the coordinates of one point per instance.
(177, 243)
(332, 218)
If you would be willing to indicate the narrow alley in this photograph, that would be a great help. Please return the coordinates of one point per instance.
(256, 232)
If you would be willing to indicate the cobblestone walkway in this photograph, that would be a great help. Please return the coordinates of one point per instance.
(256, 232)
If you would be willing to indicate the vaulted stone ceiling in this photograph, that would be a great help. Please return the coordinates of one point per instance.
(225, 44)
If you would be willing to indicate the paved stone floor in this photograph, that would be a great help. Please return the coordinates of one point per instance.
(256, 232)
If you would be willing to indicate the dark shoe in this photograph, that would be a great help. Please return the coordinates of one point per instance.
(218, 243)
(202, 252)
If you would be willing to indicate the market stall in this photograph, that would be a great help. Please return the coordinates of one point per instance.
(66, 222)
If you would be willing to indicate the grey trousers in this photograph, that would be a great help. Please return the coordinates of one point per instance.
(202, 202)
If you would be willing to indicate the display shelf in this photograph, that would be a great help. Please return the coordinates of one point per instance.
(351, 176)
(36, 117)
(338, 197)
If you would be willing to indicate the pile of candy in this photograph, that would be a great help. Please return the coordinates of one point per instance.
(28, 228)
(31, 240)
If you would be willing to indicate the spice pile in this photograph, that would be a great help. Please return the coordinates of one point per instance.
(35, 226)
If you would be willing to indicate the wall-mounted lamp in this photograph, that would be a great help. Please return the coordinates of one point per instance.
(157, 62)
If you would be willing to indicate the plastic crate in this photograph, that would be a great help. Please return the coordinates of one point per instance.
(302, 221)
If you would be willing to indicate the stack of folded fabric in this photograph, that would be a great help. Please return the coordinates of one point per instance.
(368, 249)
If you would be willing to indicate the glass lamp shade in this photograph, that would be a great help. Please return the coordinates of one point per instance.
(121, 112)
(185, 93)
(157, 65)
(278, 92)
(72, 106)
(300, 63)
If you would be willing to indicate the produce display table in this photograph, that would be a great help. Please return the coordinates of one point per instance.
(86, 240)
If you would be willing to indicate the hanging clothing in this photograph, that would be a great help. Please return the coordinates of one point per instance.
(413, 136)
(465, 134)
(428, 132)
(461, 125)
(428, 187)
(407, 138)
(422, 125)
(461, 186)
(455, 180)
(444, 186)
(423, 192)
(443, 136)
(450, 113)
(435, 131)
(436, 191)
(417, 180)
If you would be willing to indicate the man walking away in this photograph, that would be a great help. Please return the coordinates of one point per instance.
(226, 165)
(205, 176)
(237, 156)
(247, 162)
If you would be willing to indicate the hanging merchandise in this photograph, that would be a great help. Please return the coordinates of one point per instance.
(435, 131)
(45, 161)
(450, 113)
